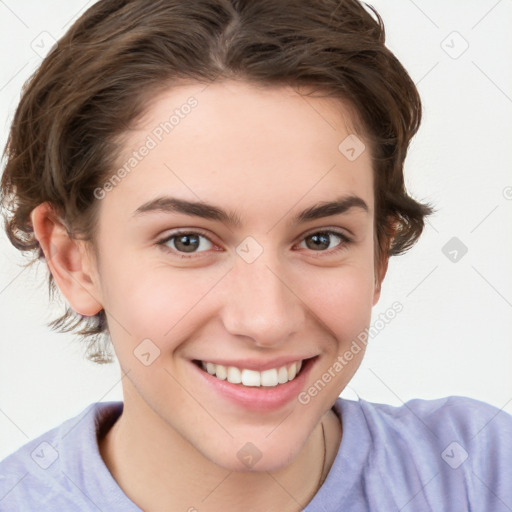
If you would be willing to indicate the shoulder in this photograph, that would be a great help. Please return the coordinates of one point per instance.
(461, 416)
(456, 427)
(434, 451)
(46, 471)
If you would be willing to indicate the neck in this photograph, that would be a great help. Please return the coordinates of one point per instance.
(196, 483)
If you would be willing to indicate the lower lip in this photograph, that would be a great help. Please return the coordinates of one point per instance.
(260, 398)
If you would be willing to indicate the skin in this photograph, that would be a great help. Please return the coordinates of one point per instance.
(266, 154)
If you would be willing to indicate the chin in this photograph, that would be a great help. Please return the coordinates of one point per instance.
(257, 456)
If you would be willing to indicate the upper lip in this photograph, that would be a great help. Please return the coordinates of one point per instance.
(255, 364)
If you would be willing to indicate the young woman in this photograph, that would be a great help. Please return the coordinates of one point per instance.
(216, 187)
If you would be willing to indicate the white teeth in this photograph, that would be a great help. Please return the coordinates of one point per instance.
(234, 375)
(253, 378)
(221, 372)
(282, 375)
(269, 378)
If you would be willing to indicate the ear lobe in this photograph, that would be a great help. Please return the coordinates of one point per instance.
(67, 260)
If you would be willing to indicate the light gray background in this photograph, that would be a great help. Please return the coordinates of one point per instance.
(453, 335)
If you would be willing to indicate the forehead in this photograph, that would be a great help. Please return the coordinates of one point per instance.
(245, 145)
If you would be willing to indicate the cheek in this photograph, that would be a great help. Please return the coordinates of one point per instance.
(343, 305)
(154, 301)
(344, 299)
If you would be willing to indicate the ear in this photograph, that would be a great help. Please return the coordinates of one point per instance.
(69, 262)
(379, 277)
(384, 248)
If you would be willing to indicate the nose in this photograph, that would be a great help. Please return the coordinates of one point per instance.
(260, 303)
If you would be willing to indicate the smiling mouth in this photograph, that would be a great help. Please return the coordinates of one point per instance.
(253, 378)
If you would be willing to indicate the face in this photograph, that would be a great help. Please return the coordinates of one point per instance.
(256, 285)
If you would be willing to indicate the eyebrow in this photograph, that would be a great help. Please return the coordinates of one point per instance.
(211, 212)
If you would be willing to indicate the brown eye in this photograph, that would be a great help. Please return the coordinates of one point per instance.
(322, 240)
(187, 242)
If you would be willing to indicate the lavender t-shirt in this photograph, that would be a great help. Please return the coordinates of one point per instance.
(452, 454)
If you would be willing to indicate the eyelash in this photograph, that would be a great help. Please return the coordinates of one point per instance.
(345, 240)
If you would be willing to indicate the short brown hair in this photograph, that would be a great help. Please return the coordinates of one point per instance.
(95, 84)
